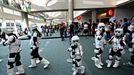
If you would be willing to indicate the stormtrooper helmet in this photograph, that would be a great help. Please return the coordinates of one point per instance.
(118, 32)
(34, 26)
(75, 39)
(131, 28)
(9, 30)
(101, 27)
(74, 42)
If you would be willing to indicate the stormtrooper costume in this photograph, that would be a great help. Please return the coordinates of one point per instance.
(129, 37)
(76, 53)
(99, 45)
(85, 29)
(117, 49)
(34, 42)
(14, 52)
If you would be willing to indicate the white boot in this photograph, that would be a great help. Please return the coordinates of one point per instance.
(0, 60)
(75, 71)
(97, 63)
(109, 63)
(37, 61)
(116, 64)
(101, 62)
(130, 64)
(46, 62)
(130, 49)
(33, 63)
(82, 69)
(10, 71)
(20, 70)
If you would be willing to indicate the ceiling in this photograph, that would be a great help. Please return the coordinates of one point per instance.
(129, 4)
(56, 10)
(43, 5)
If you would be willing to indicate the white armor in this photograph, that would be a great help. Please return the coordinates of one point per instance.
(99, 40)
(12, 41)
(34, 42)
(14, 53)
(13, 46)
(117, 49)
(131, 29)
(130, 42)
(76, 53)
(85, 26)
(99, 46)
(101, 26)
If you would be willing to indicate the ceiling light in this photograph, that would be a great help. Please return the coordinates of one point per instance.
(121, 1)
(93, 2)
(51, 2)
(77, 13)
(40, 2)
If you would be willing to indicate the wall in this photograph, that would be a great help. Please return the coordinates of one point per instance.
(122, 12)
(86, 16)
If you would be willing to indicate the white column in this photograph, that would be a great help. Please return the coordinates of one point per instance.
(70, 11)
(94, 15)
(25, 22)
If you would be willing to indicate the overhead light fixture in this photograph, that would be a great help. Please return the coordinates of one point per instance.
(53, 14)
(57, 14)
(93, 2)
(121, 1)
(77, 13)
(51, 2)
(40, 2)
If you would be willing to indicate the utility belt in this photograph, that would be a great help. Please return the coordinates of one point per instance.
(12, 56)
(115, 49)
(98, 48)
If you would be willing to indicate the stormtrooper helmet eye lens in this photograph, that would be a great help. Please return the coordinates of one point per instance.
(116, 31)
(75, 41)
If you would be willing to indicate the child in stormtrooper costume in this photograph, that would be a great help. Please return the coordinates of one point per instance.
(117, 49)
(85, 29)
(99, 45)
(76, 55)
(34, 42)
(14, 52)
(129, 37)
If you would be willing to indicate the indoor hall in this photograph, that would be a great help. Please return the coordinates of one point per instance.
(49, 27)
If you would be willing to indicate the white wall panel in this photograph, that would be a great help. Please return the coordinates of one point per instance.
(124, 13)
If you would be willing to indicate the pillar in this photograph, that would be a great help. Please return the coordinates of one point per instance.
(25, 22)
(94, 16)
(70, 11)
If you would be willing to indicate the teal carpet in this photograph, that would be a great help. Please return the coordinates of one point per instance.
(55, 51)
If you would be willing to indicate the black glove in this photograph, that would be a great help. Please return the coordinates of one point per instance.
(74, 46)
(31, 47)
(122, 43)
(4, 44)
